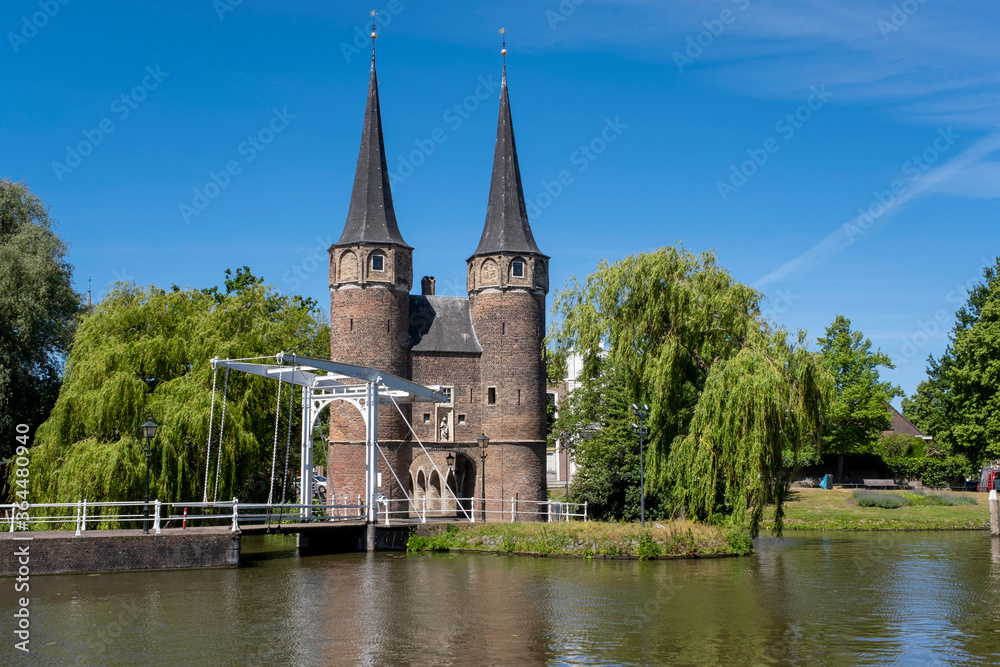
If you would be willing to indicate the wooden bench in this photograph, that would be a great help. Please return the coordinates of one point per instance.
(880, 483)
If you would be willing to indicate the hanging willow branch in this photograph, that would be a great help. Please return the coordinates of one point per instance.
(719, 428)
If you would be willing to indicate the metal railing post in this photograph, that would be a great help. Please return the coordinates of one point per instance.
(156, 517)
(83, 521)
(585, 511)
(512, 509)
(549, 503)
(78, 505)
(13, 513)
(424, 501)
(236, 525)
(472, 514)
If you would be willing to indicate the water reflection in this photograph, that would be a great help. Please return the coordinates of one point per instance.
(833, 598)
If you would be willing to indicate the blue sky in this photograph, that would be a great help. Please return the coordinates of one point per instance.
(843, 157)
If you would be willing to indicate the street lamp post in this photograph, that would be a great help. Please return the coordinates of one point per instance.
(451, 474)
(643, 431)
(484, 442)
(148, 433)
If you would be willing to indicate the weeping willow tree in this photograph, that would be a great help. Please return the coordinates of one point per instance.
(144, 352)
(728, 393)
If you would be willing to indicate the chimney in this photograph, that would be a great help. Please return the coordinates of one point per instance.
(427, 285)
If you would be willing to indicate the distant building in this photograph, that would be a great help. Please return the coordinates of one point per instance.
(560, 466)
(902, 426)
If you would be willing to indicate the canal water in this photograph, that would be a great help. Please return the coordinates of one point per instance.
(817, 598)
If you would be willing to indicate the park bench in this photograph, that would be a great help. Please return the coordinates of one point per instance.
(880, 483)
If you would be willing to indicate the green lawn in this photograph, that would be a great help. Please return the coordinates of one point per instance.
(818, 509)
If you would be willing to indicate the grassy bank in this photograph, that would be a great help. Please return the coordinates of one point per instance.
(592, 539)
(817, 509)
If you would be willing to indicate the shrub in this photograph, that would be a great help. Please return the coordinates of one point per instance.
(879, 499)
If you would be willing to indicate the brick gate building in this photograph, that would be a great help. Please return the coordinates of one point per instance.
(485, 351)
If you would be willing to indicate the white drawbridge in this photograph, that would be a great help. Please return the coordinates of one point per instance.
(322, 382)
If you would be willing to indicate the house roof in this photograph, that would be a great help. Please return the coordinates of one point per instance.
(371, 218)
(506, 228)
(901, 425)
(442, 324)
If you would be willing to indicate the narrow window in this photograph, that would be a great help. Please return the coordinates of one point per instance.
(427, 418)
(461, 419)
(519, 397)
(517, 269)
(378, 263)
(352, 324)
(388, 326)
(470, 394)
(503, 328)
(491, 396)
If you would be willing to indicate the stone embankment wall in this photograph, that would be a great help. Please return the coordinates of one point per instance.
(119, 551)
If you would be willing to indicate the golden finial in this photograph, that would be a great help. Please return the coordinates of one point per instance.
(374, 34)
(503, 49)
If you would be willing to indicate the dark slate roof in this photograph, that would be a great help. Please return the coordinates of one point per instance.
(371, 218)
(901, 424)
(506, 228)
(442, 324)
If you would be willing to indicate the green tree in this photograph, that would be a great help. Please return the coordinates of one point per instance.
(727, 392)
(38, 308)
(930, 408)
(959, 403)
(859, 409)
(596, 419)
(974, 371)
(146, 352)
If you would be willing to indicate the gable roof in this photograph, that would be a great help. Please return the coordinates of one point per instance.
(901, 425)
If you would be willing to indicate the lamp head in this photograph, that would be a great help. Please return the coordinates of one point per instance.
(483, 441)
(149, 429)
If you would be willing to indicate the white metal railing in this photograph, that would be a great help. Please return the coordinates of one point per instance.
(83, 513)
(470, 509)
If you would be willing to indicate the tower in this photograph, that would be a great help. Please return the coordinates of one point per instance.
(507, 283)
(370, 278)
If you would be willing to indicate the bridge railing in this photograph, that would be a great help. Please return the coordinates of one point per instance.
(470, 509)
(83, 515)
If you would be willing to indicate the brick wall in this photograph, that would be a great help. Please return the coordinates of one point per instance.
(121, 551)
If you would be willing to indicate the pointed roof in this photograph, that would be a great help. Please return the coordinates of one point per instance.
(371, 218)
(506, 228)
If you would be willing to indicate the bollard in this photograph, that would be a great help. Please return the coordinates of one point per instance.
(184, 522)
(994, 513)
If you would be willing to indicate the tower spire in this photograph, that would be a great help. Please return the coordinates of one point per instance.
(371, 217)
(507, 228)
(374, 36)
